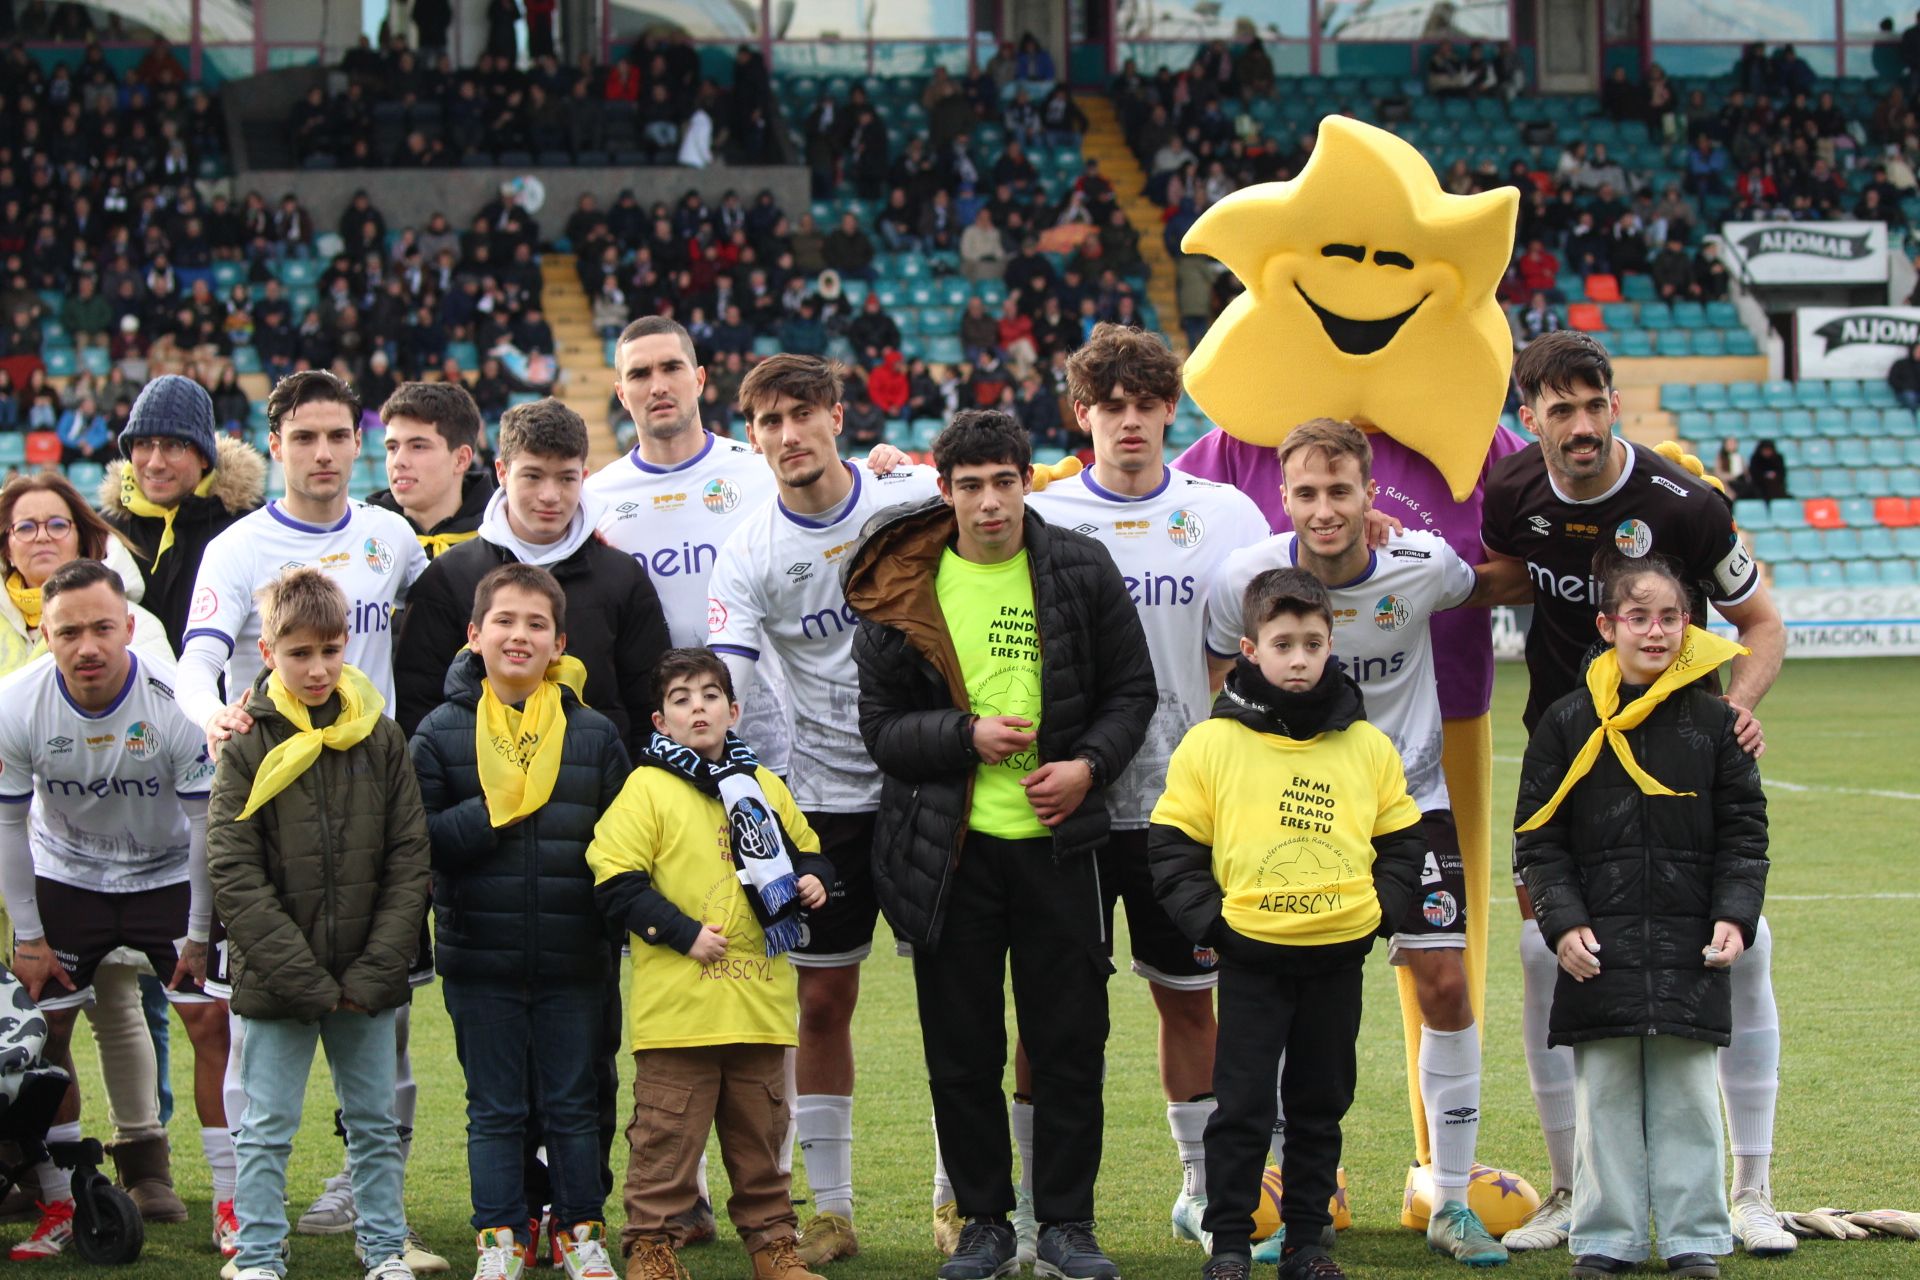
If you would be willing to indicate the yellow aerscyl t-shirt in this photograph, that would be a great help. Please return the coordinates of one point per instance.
(1291, 824)
(661, 825)
(989, 613)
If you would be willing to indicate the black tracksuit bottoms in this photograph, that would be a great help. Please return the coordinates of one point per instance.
(1303, 1002)
(1009, 899)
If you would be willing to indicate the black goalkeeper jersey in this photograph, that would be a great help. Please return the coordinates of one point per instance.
(1656, 508)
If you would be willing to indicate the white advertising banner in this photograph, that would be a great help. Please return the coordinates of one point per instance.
(1852, 342)
(1866, 622)
(1807, 252)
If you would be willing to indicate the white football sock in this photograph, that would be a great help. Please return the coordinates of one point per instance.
(1750, 1065)
(1023, 1142)
(1188, 1120)
(942, 1187)
(1450, 1091)
(1549, 1070)
(790, 1069)
(231, 1091)
(217, 1144)
(700, 1180)
(825, 1125)
(1277, 1145)
(56, 1184)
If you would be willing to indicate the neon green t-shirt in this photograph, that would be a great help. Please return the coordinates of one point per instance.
(989, 613)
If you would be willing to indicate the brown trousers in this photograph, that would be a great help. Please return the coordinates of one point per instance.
(738, 1090)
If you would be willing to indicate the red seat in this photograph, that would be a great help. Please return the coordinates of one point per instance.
(43, 449)
(1824, 513)
(1586, 317)
(1601, 288)
(1895, 513)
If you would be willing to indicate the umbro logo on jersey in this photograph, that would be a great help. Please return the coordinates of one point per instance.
(1464, 1112)
(800, 572)
(1665, 483)
(61, 745)
(1540, 525)
(1087, 530)
(627, 508)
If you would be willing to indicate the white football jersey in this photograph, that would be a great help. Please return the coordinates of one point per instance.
(105, 788)
(373, 554)
(776, 586)
(1380, 637)
(1169, 545)
(674, 520)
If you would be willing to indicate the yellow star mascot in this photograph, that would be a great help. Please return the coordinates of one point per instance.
(1370, 298)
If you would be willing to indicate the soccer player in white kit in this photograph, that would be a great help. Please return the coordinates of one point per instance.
(1382, 600)
(776, 587)
(103, 803)
(313, 423)
(1169, 533)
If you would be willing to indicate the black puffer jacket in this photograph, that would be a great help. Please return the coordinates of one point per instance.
(614, 626)
(514, 903)
(1183, 877)
(1097, 694)
(476, 489)
(1648, 874)
(239, 485)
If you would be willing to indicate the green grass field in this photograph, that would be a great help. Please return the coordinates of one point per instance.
(1844, 898)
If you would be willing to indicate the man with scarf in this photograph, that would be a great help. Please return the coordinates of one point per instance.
(514, 774)
(178, 488)
(1548, 509)
(539, 517)
(1005, 680)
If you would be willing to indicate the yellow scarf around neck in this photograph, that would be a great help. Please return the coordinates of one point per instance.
(133, 500)
(436, 544)
(360, 708)
(519, 750)
(25, 598)
(1700, 653)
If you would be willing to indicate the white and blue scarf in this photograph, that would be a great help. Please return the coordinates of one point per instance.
(761, 849)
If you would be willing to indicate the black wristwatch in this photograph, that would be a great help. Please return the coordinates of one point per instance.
(1094, 768)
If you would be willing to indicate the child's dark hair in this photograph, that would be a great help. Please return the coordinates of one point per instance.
(979, 437)
(689, 664)
(527, 577)
(1283, 591)
(1620, 577)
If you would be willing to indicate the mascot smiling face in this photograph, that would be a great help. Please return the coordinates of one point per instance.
(1370, 298)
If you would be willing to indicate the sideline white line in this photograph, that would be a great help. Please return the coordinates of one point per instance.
(1781, 784)
(1841, 897)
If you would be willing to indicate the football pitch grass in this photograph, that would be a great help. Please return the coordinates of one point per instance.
(1843, 898)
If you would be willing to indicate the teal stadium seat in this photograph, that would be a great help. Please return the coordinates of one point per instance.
(1898, 423)
(1772, 547)
(1677, 397)
(1635, 287)
(1690, 315)
(1872, 482)
(1880, 395)
(1674, 342)
(1831, 423)
(1751, 514)
(1858, 513)
(1740, 342)
(60, 362)
(1826, 575)
(1860, 573)
(1904, 482)
(1789, 576)
(1788, 513)
(86, 476)
(1745, 395)
(1763, 423)
(1811, 393)
(1851, 451)
(1796, 424)
(1656, 315)
(96, 361)
(1841, 544)
(1695, 425)
(1876, 543)
(1806, 544)
(1708, 342)
(1711, 395)
(1898, 573)
(13, 449)
(1846, 393)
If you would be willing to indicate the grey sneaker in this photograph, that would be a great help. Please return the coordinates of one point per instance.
(1068, 1251)
(985, 1252)
(331, 1213)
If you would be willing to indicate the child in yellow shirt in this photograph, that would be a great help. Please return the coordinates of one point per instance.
(705, 860)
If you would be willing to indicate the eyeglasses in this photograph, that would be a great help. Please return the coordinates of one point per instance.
(1641, 623)
(168, 447)
(56, 528)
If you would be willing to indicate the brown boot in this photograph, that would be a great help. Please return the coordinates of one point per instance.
(654, 1260)
(779, 1261)
(145, 1171)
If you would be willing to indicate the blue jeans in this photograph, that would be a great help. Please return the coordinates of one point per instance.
(501, 1030)
(275, 1057)
(153, 1004)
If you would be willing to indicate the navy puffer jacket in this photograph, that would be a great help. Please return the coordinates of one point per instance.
(1649, 874)
(514, 903)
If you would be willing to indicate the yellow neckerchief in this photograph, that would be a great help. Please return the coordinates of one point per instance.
(436, 543)
(25, 598)
(133, 500)
(1700, 653)
(360, 708)
(519, 751)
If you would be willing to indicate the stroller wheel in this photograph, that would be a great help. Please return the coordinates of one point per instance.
(107, 1230)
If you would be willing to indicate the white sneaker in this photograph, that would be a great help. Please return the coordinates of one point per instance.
(392, 1267)
(583, 1253)
(251, 1273)
(1026, 1231)
(331, 1213)
(1546, 1227)
(420, 1260)
(1757, 1227)
(500, 1256)
(1187, 1212)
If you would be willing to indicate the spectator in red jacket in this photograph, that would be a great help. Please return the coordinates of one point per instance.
(887, 384)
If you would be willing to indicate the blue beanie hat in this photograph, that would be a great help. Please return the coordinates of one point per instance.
(172, 405)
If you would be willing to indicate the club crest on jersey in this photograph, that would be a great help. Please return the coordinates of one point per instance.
(1185, 528)
(379, 556)
(1440, 909)
(1390, 612)
(720, 496)
(141, 740)
(1634, 538)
